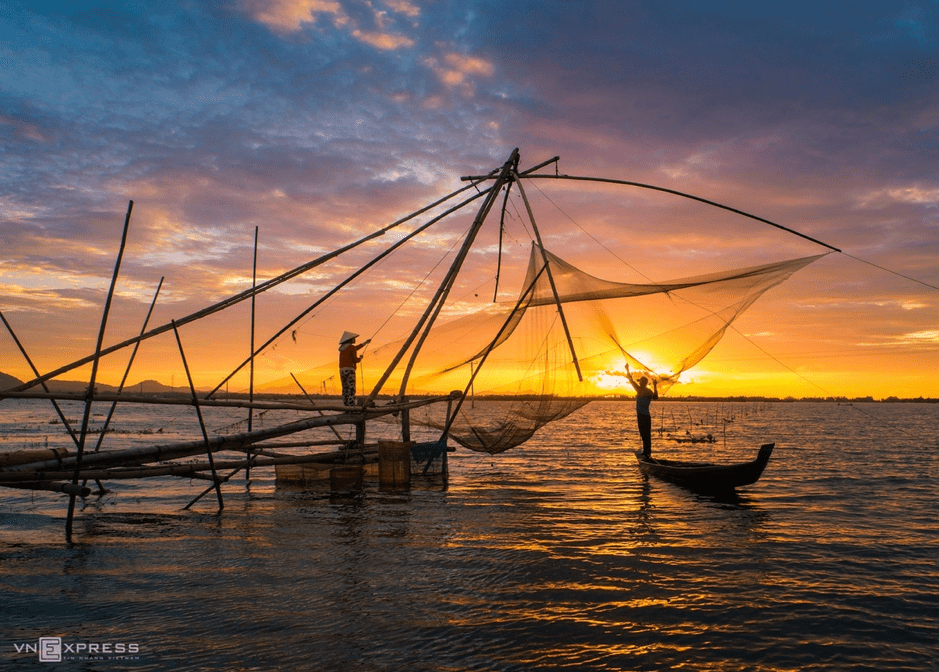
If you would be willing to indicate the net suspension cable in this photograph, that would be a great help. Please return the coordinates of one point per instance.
(728, 323)
(748, 215)
(653, 187)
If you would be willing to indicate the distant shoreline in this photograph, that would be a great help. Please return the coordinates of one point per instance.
(152, 387)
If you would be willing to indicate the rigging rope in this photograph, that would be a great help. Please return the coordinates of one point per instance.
(901, 275)
(734, 210)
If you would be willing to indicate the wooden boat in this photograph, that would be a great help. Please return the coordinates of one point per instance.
(706, 477)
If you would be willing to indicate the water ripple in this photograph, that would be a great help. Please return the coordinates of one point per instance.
(559, 556)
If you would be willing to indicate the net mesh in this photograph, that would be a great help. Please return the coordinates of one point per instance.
(530, 370)
(520, 359)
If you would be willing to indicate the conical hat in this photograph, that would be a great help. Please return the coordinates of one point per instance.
(346, 337)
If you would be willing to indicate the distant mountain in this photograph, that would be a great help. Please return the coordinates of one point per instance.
(7, 381)
(78, 386)
(150, 387)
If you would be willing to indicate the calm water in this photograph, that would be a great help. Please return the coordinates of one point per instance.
(559, 555)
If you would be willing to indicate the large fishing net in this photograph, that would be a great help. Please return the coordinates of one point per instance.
(533, 360)
(523, 369)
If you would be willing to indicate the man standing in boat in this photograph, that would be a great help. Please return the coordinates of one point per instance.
(644, 397)
(348, 358)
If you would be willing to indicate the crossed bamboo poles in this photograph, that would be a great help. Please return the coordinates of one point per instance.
(128, 463)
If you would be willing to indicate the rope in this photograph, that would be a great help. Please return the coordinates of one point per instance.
(745, 214)
(420, 284)
(734, 210)
(592, 237)
(901, 275)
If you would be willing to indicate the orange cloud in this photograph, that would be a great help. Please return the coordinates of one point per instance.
(404, 7)
(289, 15)
(385, 41)
(454, 69)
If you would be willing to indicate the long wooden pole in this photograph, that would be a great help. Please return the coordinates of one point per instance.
(178, 469)
(234, 442)
(94, 371)
(177, 400)
(436, 303)
(237, 298)
(345, 282)
(67, 488)
(48, 394)
(675, 192)
(505, 202)
(205, 433)
(254, 296)
(254, 286)
(554, 289)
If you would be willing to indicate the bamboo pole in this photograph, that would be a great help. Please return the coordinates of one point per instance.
(675, 192)
(445, 460)
(45, 387)
(177, 400)
(70, 489)
(406, 423)
(436, 303)
(238, 298)
(181, 470)
(349, 279)
(254, 285)
(29, 456)
(476, 179)
(554, 289)
(254, 295)
(505, 201)
(94, 370)
(264, 449)
(205, 433)
(235, 442)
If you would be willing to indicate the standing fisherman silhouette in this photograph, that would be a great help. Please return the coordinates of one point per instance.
(348, 358)
(644, 397)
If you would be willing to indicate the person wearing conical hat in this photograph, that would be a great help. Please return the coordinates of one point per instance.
(348, 358)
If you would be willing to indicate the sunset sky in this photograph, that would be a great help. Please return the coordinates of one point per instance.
(321, 121)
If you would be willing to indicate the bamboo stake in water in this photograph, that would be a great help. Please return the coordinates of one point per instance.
(45, 387)
(130, 363)
(205, 433)
(94, 372)
(254, 300)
